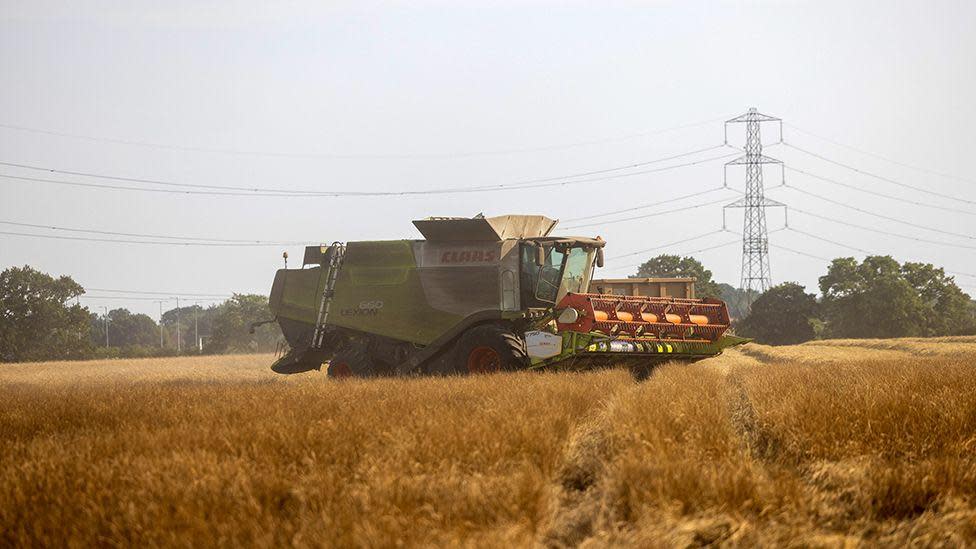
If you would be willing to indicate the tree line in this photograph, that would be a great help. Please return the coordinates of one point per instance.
(877, 297)
(41, 319)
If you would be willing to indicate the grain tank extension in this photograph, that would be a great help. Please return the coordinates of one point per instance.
(478, 295)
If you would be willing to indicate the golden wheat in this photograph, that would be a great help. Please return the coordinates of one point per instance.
(828, 443)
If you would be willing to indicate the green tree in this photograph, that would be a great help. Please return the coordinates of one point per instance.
(940, 295)
(782, 315)
(231, 326)
(736, 299)
(125, 329)
(676, 266)
(36, 321)
(880, 298)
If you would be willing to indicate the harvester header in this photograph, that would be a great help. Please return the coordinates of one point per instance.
(476, 295)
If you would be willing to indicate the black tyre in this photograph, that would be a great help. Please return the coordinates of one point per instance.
(490, 348)
(352, 362)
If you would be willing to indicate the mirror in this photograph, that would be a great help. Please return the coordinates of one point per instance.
(599, 257)
(540, 255)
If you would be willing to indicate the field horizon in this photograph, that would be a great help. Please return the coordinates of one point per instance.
(831, 443)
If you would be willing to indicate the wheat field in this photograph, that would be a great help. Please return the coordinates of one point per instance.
(829, 444)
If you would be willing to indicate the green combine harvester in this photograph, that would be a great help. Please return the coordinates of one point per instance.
(478, 295)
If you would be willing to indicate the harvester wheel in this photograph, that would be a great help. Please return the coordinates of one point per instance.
(352, 362)
(490, 348)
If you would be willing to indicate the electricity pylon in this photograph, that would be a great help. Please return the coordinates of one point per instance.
(756, 276)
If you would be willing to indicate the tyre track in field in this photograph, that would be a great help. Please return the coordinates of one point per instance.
(827, 487)
(754, 436)
(580, 509)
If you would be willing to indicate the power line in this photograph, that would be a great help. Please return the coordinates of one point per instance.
(875, 193)
(880, 157)
(137, 298)
(125, 241)
(206, 241)
(616, 257)
(855, 248)
(834, 242)
(879, 231)
(644, 206)
(367, 156)
(631, 174)
(181, 294)
(235, 191)
(316, 193)
(798, 252)
(736, 241)
(145, 180)
(880, 177)
(618, 168)
(165, 191)
(141, 235)
(880, 216)
(645, 216)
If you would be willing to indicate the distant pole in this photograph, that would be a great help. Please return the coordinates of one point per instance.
(106, 324)
(179, 344)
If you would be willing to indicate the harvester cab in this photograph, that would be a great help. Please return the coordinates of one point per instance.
(477, 295)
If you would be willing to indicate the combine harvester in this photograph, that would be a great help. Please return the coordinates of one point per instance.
(478, 295)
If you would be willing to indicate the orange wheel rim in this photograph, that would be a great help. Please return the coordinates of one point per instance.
(483, 360)
(339, 369)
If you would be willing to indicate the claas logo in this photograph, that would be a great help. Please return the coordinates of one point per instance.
(469, 256)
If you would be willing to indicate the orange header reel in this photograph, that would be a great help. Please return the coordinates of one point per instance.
(643, 317)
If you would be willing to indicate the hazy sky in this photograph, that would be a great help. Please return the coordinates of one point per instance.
(382, 97)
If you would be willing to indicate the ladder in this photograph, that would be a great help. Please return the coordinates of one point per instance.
(334, 259)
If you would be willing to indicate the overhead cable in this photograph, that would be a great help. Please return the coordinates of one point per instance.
(736, 241)
(312, 192)
(645, 206)
(875, 193)
(237, 191)
(829, 241)
(880, 157)
(127, 241)
(879, 231)
(881, 216)
(855, 248)
(131, 298)
(798, 252)
(143, 235)
(669, 244)
(645, 216)
(880, 177)
(181, 294)
(353, 156)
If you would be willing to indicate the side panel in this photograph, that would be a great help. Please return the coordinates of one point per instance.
(459, 279)
(380, 290)
(418, 290)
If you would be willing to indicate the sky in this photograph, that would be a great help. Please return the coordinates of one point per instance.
(390, 97)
